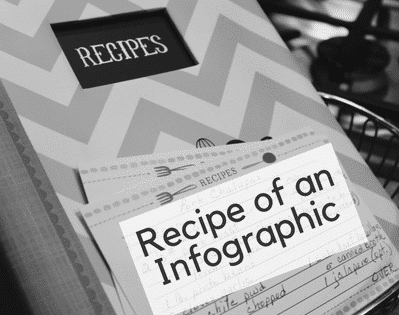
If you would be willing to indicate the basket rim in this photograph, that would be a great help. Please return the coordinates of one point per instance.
(349, 104)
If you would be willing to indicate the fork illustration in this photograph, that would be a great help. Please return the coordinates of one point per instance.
(166, 171)
(167, 197)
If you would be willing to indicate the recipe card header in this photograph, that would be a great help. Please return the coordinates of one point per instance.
(122, 47)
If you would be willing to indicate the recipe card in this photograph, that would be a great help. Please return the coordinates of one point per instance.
(287, 211)
(104, 177)
(339, 284)
(297, 211)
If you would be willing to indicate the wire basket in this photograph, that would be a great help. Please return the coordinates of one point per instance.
(377, 140)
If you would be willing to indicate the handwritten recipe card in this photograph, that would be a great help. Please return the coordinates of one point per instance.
(239, 232)
(296, 211)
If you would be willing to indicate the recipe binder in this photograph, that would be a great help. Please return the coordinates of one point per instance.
(246, 86)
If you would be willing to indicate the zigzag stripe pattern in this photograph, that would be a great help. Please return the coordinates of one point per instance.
(25, 17)
(209, 84)
(37, 44)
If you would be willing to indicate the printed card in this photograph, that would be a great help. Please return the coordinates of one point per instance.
(298, 210)
(342, 283)
(98, 221)
(103, 178)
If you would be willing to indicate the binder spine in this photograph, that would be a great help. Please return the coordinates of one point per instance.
(39, 241)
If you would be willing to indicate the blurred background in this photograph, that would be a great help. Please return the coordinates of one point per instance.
(346, 47)
(350, 50)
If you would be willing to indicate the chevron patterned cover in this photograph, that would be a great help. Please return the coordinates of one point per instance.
(246, 86)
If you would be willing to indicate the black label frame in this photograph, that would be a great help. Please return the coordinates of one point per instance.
(123, 47)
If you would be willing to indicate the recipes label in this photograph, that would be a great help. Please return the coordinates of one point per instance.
(122, 47)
